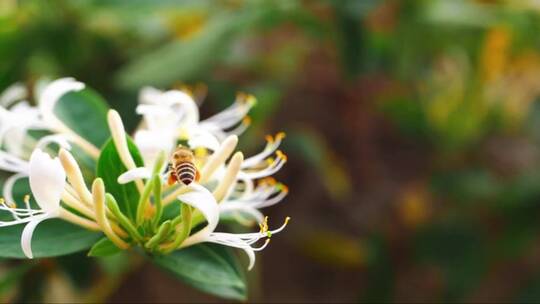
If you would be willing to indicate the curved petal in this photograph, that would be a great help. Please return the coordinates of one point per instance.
(242, 210)
(8, 186)
(251, 256)
(134, 174)
(12, 163)
(56, 139)
(47, 180)
(159, 117)
(14, 140)
(12, 94)
(28, 232)
(201, 139)
(151, 143)
(183, 104)
(53, 92)
(229, 240)
(204, 201)
(149, 95)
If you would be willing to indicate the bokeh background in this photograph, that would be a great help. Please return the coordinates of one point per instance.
(413, 135)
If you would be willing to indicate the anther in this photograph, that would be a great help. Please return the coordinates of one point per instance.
(251, 100)
(281, 155)
(280, 135)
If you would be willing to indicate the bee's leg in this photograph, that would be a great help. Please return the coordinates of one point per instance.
(197, 175)
(172, 178)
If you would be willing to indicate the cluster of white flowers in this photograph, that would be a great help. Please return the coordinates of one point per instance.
(230, 186)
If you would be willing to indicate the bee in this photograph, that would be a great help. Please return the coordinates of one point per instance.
(182, 167)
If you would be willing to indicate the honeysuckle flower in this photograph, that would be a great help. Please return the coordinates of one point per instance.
(13, 93)
(248, 203)
(15, 123)
(20, 167)
(201, 199)
(214, 195)
(229, 184)
(47, 101)
(176, 110)
(17, 117)
(47, 181)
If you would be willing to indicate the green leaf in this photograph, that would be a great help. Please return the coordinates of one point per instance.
(53, 237)
(103, 247)
(208, 267)
(189, 58)
(85, 112)
(110, 167)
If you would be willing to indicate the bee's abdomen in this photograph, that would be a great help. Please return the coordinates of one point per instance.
(185, 172)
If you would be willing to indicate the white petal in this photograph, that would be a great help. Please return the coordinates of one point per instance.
(235, 211)
(271, 146)
(56, 139)
(53, 92)
(202, 139)
(182, 104)
(14, 140)
(134, 174)
(28, 232)
(151, 143)
(201, 199)
(149, 95)
(8, 186)
(13, 93)
(12, 163)
(251, 256)
(228, 239)
(47, 180)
